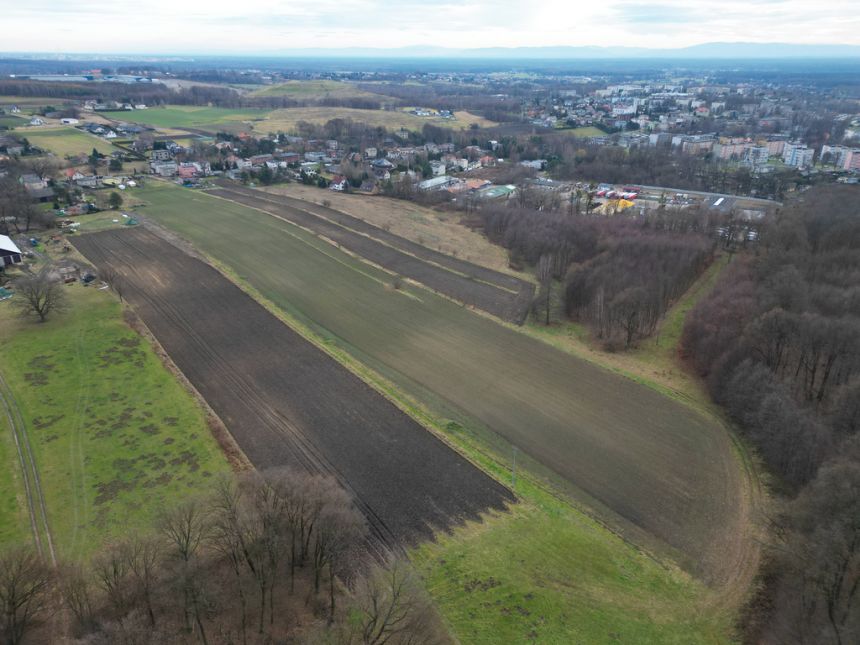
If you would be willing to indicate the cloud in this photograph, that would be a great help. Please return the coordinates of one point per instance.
(654, 14)
(225, 26)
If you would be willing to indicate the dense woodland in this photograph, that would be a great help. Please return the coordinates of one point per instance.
(619, 275)
(779, 343)
(277, 557)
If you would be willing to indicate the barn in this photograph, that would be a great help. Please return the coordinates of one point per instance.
(9, 253)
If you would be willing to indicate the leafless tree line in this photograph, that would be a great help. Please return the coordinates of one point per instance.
(779, 342)
(274, 557)
(620, 275)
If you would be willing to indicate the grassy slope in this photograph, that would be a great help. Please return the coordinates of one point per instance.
(65, 141)
(584, 131)
(580, 576)
(431, 228)
(116, 436)
(179, 116)
(285, 120)
(315, 90)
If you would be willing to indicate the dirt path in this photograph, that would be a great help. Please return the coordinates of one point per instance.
(36, 506)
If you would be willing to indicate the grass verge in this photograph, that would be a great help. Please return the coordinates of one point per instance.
(115, 436)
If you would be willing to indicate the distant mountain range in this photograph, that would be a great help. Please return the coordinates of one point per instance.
(703, 51)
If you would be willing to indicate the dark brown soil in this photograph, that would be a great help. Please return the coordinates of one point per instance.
(285, 401)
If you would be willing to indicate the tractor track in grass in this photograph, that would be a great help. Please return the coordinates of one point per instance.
(36, 507)
(288, 403)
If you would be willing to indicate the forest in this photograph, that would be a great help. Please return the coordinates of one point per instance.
(619, 275)
(264, 558)
(778, 341)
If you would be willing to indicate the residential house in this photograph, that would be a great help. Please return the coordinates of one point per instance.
(160, 155)
(164, 168)
(537, 164)
(339, 183)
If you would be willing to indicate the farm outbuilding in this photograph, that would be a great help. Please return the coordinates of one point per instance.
(9, 252)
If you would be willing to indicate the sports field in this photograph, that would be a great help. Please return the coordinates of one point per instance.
(65, 141)
(656, 469)
(115, 436)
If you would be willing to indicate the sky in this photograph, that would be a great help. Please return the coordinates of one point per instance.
(261, 26)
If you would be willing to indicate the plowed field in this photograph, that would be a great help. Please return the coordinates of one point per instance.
(285, 401)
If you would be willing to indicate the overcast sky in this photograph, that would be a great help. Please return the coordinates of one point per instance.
(236, 26)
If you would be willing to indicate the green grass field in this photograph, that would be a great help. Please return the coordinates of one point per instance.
(11, 121)
(187, 116)
(318, 89)
(285, 120)
(585, 131)
(65, 141)
(438, 355)
(116, 437)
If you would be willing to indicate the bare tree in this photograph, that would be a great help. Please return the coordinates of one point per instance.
(392, 608)
(544, 275)
(112, 577)
(25, 582)
(230, 539)
(77, 591)
(186, 529)
(340, 527)
(142, 556)
(114, 279)
(39, 294)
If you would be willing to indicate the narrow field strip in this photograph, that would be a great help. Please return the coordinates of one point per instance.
(476, 286)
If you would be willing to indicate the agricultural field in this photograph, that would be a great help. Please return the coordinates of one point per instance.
(65, 141)
(499, 294)
(661, 472)
(114, 435)
(11, 121)
(188, 116)
(286, 402)
(655, 361)
(321, 89)
(431, 228)
(285, 120)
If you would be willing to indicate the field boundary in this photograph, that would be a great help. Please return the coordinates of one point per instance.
(237, 459)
